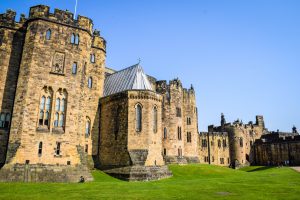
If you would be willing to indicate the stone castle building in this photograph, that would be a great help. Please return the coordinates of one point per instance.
(62, 112)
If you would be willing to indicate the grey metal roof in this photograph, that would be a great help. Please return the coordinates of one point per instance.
(131, 78)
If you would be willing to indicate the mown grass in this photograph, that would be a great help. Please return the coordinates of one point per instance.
(188, 182)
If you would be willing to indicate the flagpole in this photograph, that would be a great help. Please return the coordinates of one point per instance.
(75, 10)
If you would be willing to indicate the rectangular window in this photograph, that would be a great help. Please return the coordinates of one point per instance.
(86, 148)
(165, 152)
(92, 58)
(189, 137)
(57, 150)
(222, 161)
(40, 149)
(178, 112)
(74, 68)
(204, 143)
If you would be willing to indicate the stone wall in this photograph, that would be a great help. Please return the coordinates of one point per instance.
(214, 148)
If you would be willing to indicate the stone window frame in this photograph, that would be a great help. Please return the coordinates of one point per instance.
(90, 82)
(48, 34)
(4, 120)
(241, 142)
(189, 137)
(74, 68)
(86, 149)
(45, 109)
(165, 136)
(87, 127)
(40, 149)
(92, 58)
(178, 112)
(188, 121)
(57, 149)
(75, 39)
(155, 118)
(222, 162)
(165, 152)
(138, 117)
(224, 142)
(179, 133)
(60, 110)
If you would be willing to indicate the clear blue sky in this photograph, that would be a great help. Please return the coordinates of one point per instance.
(243, 57)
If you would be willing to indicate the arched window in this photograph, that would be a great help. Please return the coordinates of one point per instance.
(241, 142)
(77, 39)
(155, 119)
(7, 120)
(56, 120)
(40, 151)
(138, 114)
(73, 38)
(2, 120)
(60, 108)
(92, 58)
(45, 107)
(165, 133)
(74, 68)
(48, 34)
(90, 82)
(87, 127)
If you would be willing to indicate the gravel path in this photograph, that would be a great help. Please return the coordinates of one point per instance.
(296, 168)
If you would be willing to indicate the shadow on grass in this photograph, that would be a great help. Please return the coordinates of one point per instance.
(260, 168)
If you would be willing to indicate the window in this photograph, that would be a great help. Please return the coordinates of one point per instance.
(45, 107)
(212, 159)
(219, 143)
(90, 82)
(87, 127)
(165, 152)
(60, 108)
(224, 143)
(179, 133)
(178, 112)
(40, 151)
(86, 148)
(165, 133)
(188, 121)
(74, 68)
(155, 119)
(73, 38)
(57, 150)
(48, 34)
(1, 37)
(138, 114)
(92, 58)
(77, 39)
(189, 137)
(2, 120)
(206, 159)
(241, 142)
(204, 143)
(7, 120)
(221, 161)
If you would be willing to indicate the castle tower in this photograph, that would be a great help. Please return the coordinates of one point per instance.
(11, 42)
(60, 82)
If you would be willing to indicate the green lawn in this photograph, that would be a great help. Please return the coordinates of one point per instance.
(189, 182)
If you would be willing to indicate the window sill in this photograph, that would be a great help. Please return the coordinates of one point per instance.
(58, 130)
(57, 156)
(42, 129)
(57, 73)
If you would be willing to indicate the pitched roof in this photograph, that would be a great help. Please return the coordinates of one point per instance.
(131, 78)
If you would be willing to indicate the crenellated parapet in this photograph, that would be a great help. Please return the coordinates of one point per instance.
(8, 20)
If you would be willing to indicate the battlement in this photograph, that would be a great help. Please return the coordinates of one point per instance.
(8, 19)
(61, 16)
(213, 134)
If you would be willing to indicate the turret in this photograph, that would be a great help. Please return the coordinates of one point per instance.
(260, 121)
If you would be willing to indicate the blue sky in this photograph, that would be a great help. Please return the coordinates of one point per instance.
(241, 56)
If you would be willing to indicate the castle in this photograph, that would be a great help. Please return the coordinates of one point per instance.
(63, 112)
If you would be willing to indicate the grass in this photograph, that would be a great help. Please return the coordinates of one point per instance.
(188, 182)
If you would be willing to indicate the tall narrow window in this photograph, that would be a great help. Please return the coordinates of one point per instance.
(76, 39)
(138, 114)
(40, 151)
(154, 119)
(241, 142)
(74, 68)
(165, 152)
(57, 104)
(62, 105)
(179, 132)
(92, 58)
(178, 112)
(224, 143)
(57, 150)
(189, 137)
(86, 148)
(48, 34)
(45, 108)
(73, 38)
(165, 133)
(7, 120)
(56, 120)
(87, 127)
(61, 120)
(219, 143)
(2, 120)
(90, 82)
